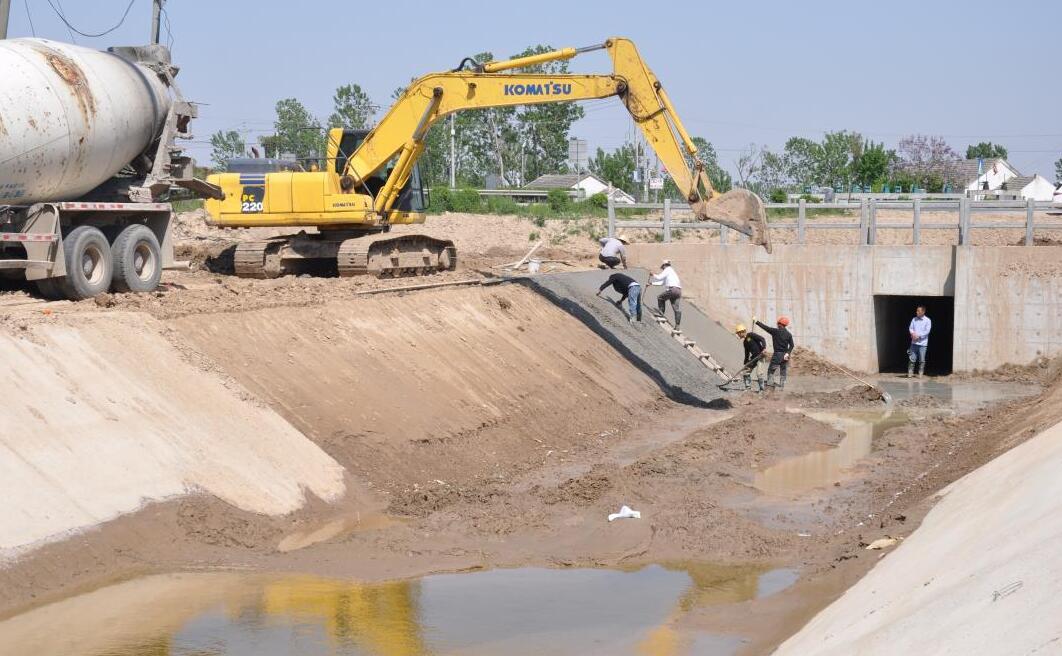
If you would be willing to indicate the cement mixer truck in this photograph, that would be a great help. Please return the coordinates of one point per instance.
(88, 162)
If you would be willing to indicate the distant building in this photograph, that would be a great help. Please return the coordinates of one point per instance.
(1030, 187)
(972, 177)
(588, 183)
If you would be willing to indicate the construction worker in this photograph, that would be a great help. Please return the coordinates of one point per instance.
(783, 347)
(755, 357)
(628, 289)
(672, 290)
(614, 251)
(919, 332)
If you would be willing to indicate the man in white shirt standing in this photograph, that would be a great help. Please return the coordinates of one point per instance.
(919, 331)
(672, 290)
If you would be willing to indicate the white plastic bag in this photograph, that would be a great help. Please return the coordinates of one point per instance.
(625, 513)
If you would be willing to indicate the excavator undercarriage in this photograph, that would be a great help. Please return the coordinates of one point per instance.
(344, 253)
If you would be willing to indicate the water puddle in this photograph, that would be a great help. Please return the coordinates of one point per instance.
(821, 468)
(516, 611)
(961, 396)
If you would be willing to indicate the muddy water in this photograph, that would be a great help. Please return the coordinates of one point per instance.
(517, 611)
(821, 468)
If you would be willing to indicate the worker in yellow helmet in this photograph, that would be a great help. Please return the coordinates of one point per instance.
(755, 357)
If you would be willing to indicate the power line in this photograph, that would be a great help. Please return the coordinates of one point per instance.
(68, 30)
(33, 30)
(91, 36)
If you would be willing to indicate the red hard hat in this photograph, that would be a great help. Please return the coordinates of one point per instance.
(783, 321)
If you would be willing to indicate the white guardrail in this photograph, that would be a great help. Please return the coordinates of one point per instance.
(868, 218)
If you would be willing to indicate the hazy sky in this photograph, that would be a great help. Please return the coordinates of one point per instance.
(738, 72)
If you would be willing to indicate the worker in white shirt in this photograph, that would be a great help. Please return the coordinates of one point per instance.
(672, 290)
(919, 330)
(613, 251)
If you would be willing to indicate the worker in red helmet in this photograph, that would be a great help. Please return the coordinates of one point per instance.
(783, 343)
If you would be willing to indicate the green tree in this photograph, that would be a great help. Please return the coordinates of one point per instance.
(353, 109)
(1058, 171)
(297, 131)
(800, 159)
(839, 150)
(873, 165)
(986, 150)
(225, 146)
(542, 131)
(617, 167)
(717, 175)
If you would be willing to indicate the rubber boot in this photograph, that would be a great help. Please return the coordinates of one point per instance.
(910, 370)
(921, 368)
(759, 383)
(747, 379)
(770, 379)
(781, 382)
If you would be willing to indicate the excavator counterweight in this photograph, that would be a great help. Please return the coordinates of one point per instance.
(370, 180)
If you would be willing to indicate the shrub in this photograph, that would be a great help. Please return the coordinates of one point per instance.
(465, 200)
(533, 236)
(502, 205)
(809, 198)
(598, 200)
(439, 200)
(558, 200)
(778, 196)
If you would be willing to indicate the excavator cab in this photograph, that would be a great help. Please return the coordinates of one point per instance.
(410, 198)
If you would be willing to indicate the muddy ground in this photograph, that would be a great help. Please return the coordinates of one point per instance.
(510, 464)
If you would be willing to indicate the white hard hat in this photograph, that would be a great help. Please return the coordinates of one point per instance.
(665, 263)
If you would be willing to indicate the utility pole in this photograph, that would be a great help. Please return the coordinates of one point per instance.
(453, 152)
(5, 10)
(156, 19)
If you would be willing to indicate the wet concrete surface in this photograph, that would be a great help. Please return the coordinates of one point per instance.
(515, 611)
(678, 373)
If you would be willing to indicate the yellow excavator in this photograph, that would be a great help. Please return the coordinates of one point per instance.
(371, 182)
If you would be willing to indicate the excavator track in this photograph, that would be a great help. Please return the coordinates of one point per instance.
(386, 255)
(258, 259)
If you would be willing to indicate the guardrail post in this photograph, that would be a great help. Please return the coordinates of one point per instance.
(864, 220)
(916, 225)
(667, 220)
(611, 214)
(964, 221)
(1030, 209)
(802, 219)
(872, 230)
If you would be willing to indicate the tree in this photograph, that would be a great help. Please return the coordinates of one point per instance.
(986, 150)
(1058, 171)
(718, 176)
(617, 167)
(297, 131)
(839, 151)
(225, 146)
(541, 131)
(353, 108)
(800, 159)
(873, 165)
(927, 161)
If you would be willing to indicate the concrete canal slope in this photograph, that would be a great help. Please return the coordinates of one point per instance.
(980, 576)
(105, 415)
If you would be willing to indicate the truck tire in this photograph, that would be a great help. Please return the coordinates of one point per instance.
(49, 288)
(137, 260)
(89, 266)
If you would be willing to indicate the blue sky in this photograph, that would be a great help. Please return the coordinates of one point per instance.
(738, 72)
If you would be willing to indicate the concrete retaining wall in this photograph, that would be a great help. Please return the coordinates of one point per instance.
(1000, 293)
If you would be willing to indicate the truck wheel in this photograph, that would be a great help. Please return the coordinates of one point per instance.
(137, 260)
(88, 263)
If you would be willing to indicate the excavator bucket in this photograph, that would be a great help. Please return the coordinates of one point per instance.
(739, 209)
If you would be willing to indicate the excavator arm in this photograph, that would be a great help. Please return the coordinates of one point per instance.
(399, 136)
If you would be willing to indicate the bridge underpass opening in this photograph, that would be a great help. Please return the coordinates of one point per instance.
(892, 316)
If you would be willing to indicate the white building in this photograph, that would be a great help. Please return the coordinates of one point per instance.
(992, 175)
(588, 183)
(1031, 187)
